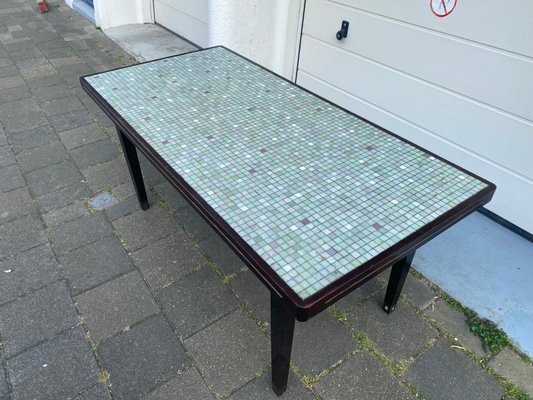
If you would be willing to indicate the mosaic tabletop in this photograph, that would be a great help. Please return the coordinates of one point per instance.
(315, 191)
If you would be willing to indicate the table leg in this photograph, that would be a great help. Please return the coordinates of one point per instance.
(282, 331)
(130, 152)
(397, 277)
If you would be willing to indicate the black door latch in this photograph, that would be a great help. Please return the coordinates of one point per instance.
(344, 30)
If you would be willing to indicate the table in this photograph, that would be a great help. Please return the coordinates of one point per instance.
(315, 200)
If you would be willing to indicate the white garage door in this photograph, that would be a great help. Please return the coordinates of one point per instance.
(461, 86)
(185, 17)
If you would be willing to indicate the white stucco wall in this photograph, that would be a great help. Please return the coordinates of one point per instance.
(265, 31)
(111, 13)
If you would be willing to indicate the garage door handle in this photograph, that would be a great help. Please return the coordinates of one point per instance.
(344, 30)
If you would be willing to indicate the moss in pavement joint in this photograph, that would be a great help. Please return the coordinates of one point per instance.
(336, 312)
(493, 338)
(228, 278)
(104, 376)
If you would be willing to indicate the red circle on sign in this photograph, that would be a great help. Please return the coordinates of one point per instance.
(446, 7)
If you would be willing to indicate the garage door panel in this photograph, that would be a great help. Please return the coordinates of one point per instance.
(190, 27)
(196, 9)
(455, 119)
(454, 64)
(486, 21)
(512, 189)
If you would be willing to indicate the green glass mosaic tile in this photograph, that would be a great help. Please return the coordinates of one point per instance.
(314, 190)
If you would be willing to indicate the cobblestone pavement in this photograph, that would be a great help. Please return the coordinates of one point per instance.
(101, 300)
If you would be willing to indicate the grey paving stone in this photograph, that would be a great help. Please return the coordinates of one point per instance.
(63, 61)
(195, 301)
(63, 196)
(62, 105)
(143, 227)
(18, 107)
(75, 70)
(372, 287)
(32, 138)
(39, 35)
(142, 358)
(4, 392)
(15, 203)
(399, 335)
(60, 51)
(6, 156)
(13, 94)
(22, 49)
(37, 83)
(51, 44)
(229, 352)
(65, 214)
(82, 44)
(125, 190)
(80, 232)
(106, 175)
(24, 63)
(96, 263)
(261, 389)
(116, 305)
(510, 366)
(124, 207)
(97, 392)
(21, 234)
(187, 385)
(23, 122)
(454, 322)
(218, 251)
(10, 178)
(11, 82)
(53, 177)
(254, 294)
(56, 91)
(320, 343)
(36, 317)
(81, 136)
(38, 71)
(94, 153)
(96, 57)
(384, 276)
(40, 157)
(5, 61)
(28, 271)
(105, 122)
(194, 225)
(70, 120)
(168, 259)
(170, 195)
(362, 377)
(418, 292)
(150, 173)
(8, 71)
(58, 369)
(443, 373)
(73, 80)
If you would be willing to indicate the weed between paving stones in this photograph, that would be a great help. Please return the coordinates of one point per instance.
(492, 338)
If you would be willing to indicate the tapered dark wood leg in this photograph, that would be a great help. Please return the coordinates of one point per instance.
(282, 331)
(397, 277)
(130, 152)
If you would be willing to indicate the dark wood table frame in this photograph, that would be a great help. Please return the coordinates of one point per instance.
(281, 319)
(286, 306)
